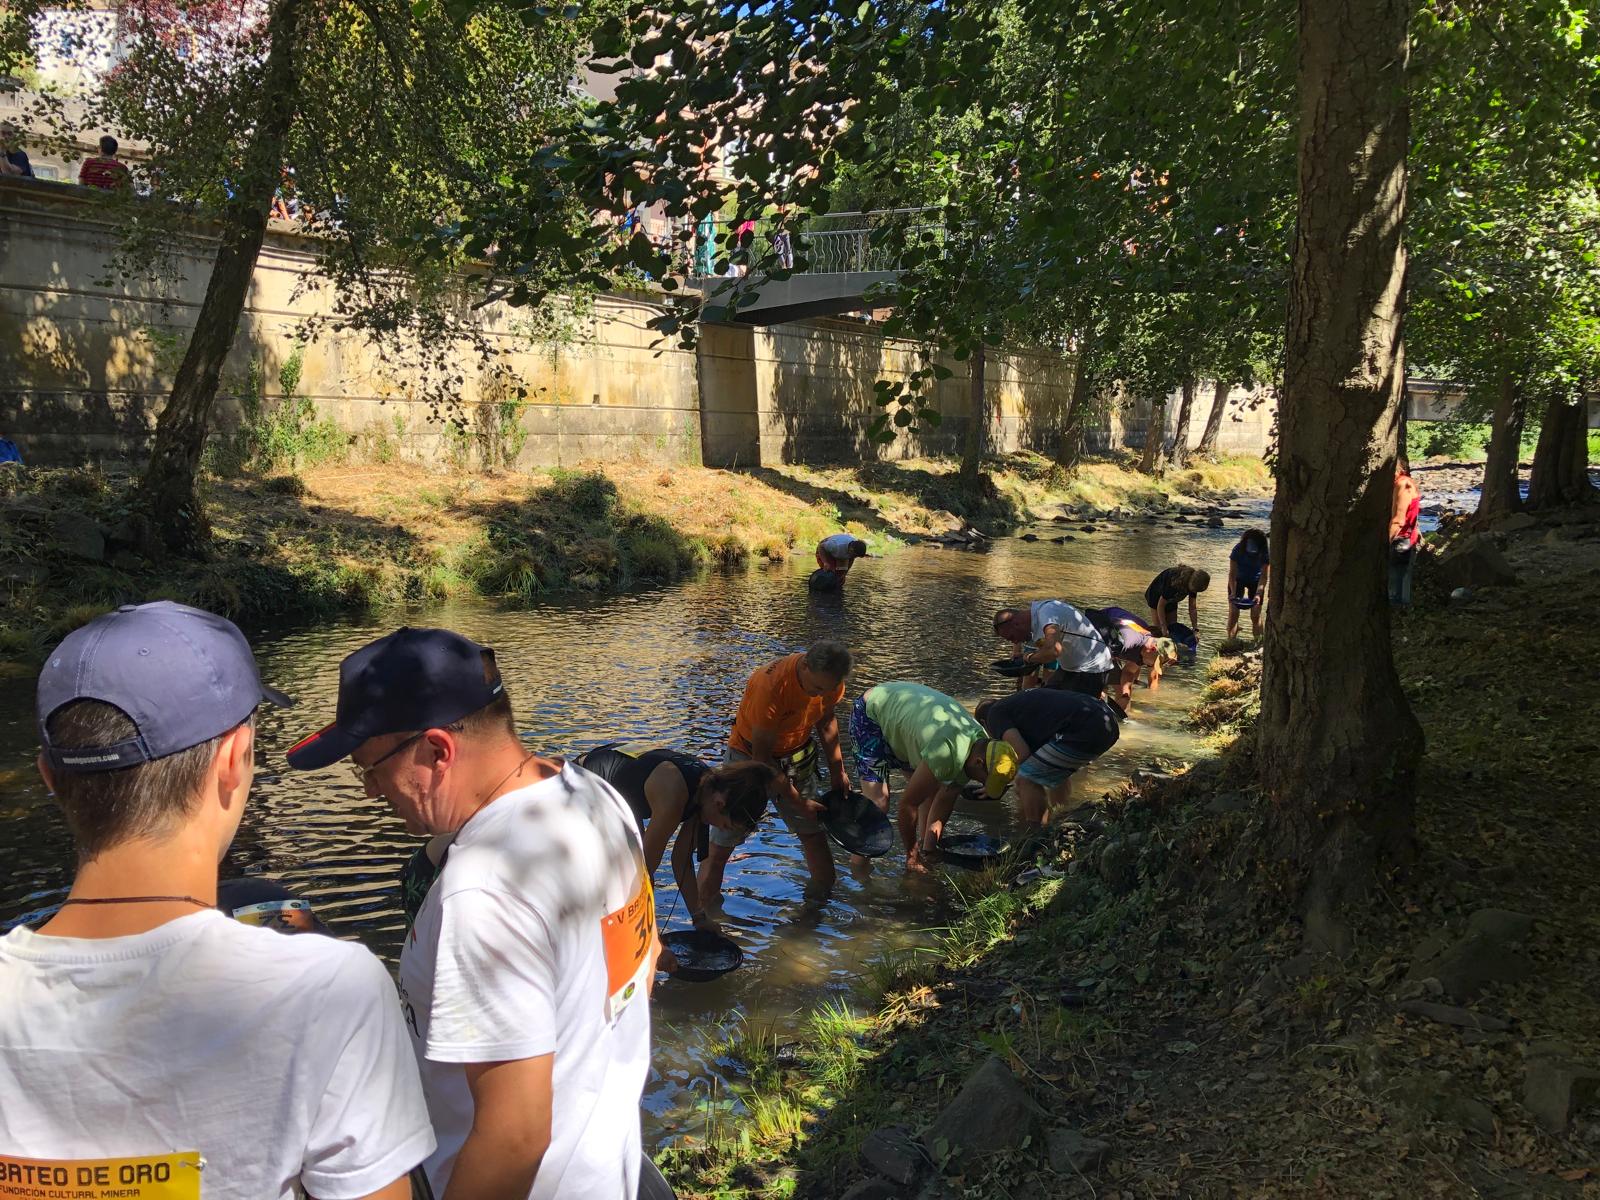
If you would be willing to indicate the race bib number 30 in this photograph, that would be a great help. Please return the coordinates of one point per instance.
(629, 935)
(162, 1177)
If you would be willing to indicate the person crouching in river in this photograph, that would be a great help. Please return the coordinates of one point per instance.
(1068, 650)
(838, 552)
(935, 743)
(671, 792)
(1248, 570)
(1169, 589)
(1135, 650)
(785, 706)
(1055, 733)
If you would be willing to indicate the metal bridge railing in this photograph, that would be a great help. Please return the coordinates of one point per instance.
(832, 244)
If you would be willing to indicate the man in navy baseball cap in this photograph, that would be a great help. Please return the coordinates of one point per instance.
(411, 680)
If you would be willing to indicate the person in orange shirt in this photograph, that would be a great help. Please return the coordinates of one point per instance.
(788, 707)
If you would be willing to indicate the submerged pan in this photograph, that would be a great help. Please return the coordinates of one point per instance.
(263, 902)
(856, 824)
(973, 850)
(823, 580)
(1013, 668)
(702, 955)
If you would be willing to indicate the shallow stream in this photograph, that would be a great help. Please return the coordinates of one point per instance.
(668, 666)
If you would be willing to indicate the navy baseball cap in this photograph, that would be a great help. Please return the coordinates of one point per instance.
(412, 679)
(182, 676)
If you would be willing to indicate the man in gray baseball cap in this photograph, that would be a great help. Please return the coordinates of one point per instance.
(278, 1065)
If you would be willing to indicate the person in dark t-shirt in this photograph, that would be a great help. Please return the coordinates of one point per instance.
(13, 158)
(1248, 568)
(1055, 733)
(1169, 589)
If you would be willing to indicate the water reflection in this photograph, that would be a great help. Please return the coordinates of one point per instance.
(668, 667)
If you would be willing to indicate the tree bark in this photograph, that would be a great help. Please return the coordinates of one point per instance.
(977, 443)
(1500, 494)
(1561, 459)
(1180, 439)
(1155, 438)
(1069, 451)
(1219, 409)
(168, 497)
(1338, 744)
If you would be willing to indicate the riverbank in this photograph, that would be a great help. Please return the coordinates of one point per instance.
(1139, 1024)
(351, 539)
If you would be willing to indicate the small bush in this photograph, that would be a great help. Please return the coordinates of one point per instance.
(285, 485)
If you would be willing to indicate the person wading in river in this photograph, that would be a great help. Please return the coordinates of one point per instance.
(1169, 589)
(526, 975)
(1055, 733)
(838, 551)
(1135, 650)
(935, 743)
(671, 792)
(141, 1030)
(1067, 647)
(1248, 571)
(787, 708)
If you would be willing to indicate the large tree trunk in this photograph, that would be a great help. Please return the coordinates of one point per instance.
(1219, 409)
(977, 443)
(169, 498)
(1069, 451)
(1561, 459)
(1338, 744)
(1500, 494)
(1155, 437)
(1180, 439)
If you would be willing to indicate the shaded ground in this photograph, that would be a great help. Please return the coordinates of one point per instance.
(1142, 1000)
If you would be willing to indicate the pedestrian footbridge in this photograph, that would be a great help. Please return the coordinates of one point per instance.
(845, 262)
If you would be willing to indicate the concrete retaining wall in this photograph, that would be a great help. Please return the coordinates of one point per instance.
(86, 358)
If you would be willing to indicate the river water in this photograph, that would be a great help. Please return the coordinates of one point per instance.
(668, 667)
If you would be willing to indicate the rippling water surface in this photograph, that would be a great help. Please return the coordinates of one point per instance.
(668, 666)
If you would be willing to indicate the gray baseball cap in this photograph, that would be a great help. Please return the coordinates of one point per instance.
(182, 676)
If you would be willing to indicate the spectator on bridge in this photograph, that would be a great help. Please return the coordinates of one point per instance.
(782, 245)
(745, 233)
(705, 246)
(105, 170)
(13, 158)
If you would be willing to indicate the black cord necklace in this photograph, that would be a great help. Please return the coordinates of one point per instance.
(138, 900)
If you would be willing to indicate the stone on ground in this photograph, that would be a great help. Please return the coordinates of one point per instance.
(991, 1112)
(1476, 562)
(873, 1189)
(893, 1153)
(1073, 1153)
(1556, 1088)
(1449, 1014)
(1484, 955)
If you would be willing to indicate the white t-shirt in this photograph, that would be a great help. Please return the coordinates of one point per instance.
(278, 1059)
(1082, 647)
(837, 545)
(539, 937)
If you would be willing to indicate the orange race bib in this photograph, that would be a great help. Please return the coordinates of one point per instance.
(159, 1177)
(629, 936)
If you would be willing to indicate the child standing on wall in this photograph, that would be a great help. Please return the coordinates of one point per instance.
(1248, 569)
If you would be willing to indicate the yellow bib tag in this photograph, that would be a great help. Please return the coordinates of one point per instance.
(160, 1177)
